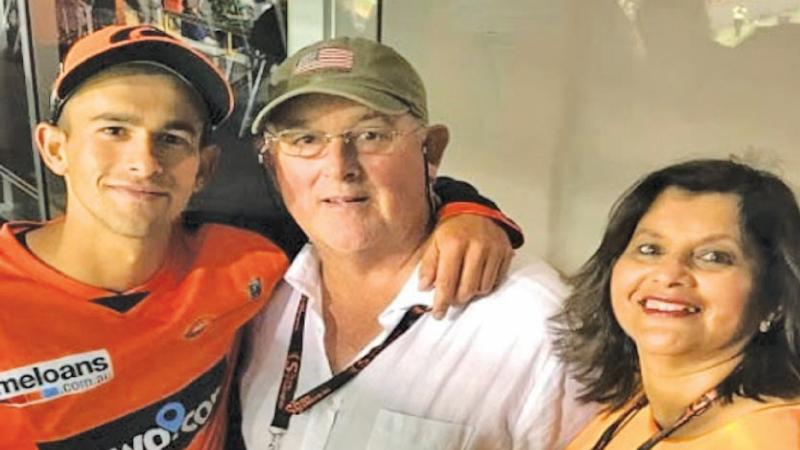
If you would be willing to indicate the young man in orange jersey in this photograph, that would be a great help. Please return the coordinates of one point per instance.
(121, 325)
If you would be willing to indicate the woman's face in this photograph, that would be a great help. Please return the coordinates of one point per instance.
(682, 286)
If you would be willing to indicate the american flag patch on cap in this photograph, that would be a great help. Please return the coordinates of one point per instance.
(325, 58)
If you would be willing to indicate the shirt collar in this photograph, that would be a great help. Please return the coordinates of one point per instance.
(410, 295)
(304, 276)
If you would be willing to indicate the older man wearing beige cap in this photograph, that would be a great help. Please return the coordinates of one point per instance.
(345, 356)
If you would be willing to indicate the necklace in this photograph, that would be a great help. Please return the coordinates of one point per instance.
(697, 408)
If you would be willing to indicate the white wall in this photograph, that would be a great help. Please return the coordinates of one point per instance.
(554, 111)
(496, 77)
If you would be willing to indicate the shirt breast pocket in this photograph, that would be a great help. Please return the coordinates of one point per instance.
(397, 431)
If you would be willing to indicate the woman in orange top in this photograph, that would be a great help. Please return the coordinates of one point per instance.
(685, 323)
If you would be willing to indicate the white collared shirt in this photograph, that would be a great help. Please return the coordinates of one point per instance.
(485, 377)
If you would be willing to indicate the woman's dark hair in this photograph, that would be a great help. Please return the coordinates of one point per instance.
(605, 358)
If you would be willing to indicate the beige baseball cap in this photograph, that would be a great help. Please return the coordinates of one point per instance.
(358, 69)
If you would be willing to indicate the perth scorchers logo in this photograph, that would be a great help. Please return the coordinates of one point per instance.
(127, 34)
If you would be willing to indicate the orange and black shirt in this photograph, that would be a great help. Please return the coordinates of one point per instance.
(150, 368)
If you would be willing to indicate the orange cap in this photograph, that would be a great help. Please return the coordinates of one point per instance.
(121, 44)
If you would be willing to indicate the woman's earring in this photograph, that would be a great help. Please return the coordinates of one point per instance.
(766, 324)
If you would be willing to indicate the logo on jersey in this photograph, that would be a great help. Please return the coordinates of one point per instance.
(254, 288)
(170, 423)
(48, 380)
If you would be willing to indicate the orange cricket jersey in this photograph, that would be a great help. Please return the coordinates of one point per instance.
(775, 426)
(147, 369)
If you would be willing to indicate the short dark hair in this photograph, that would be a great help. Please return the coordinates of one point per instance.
(605, 358)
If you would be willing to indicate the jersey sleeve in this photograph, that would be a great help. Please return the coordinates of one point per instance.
(460, 197)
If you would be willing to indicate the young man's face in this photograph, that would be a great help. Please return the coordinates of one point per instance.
(130, 152)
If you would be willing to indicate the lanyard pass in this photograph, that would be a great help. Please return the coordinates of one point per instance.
(275, 435)
(285, 406)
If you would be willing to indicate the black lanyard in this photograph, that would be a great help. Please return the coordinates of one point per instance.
(697, 408)
(285, 407)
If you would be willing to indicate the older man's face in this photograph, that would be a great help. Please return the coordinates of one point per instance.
(349, 202)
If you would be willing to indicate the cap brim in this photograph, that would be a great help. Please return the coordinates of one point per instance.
(358, 92)
(209, 82)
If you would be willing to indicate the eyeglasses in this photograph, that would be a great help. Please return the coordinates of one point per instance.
(312, 144)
